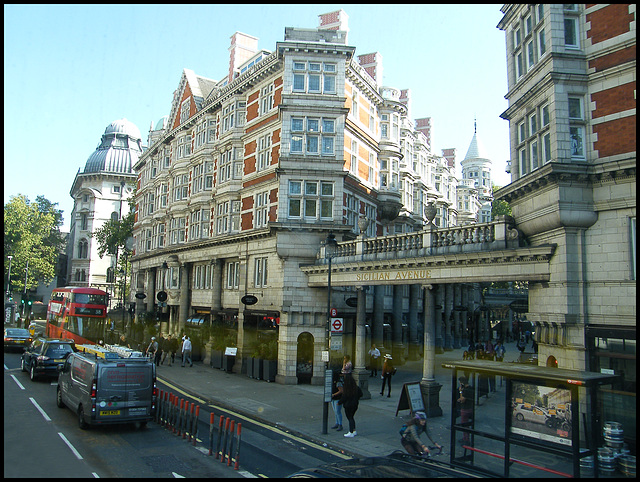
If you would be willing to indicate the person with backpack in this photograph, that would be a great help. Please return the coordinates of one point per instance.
(351, 394)
(410, 436)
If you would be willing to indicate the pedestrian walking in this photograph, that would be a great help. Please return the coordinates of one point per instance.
(465, 402)
(410, 435)
(335, 398)
(123, 341)
(387, 372)
(152, 348)
(374, 354)
(166, 351)
(158, 356)
(186, 351)
(173, 349)
(500, 351)
(351, 395)
(347, 366)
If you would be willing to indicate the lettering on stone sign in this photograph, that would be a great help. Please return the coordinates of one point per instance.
(395, 275)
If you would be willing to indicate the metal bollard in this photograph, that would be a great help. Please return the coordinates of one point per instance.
(219, 436)
(226, 440)
(235, 467)
(211, 417)
(230, 452)
(172, 412)
(185, 420)
(159, 410)
(195, 424)
(180, 407)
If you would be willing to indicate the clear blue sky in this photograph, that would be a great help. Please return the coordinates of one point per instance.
(70, 70)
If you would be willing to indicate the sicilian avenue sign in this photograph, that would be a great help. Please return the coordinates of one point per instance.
(393, 275)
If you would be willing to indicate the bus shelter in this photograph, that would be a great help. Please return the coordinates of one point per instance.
(526, 419)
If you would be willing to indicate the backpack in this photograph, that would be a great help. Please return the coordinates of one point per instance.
(403, 429)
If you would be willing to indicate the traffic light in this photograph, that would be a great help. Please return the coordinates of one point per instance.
(22, 299)
(29, 301)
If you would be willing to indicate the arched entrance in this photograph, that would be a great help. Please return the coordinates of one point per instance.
(304, 358)
(552, 362)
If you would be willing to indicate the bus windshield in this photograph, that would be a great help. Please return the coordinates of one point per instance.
(87, 299)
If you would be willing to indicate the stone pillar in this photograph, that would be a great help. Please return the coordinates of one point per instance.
(243, 273)
(185, 276)
(428, 386)
(457, 314)
(377, 328)
(448, 310)
(216, 303)
(414, 295)
(360, 372)
(397, 350)
(438, 298)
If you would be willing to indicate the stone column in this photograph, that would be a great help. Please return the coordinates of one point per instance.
(397, 350)
(448, 310)
(429, 387)
(457, 328)
(185, 276)
(360, 372)
(216, 303)
(377, 328)
(414, 295)
(438, 298)
(243, 273)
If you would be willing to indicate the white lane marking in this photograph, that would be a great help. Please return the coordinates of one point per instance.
(95, 476)
(44, 414)
(73, 449)
(16, 380)
(177, 476)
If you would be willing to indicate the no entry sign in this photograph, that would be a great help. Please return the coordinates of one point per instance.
(337, 325)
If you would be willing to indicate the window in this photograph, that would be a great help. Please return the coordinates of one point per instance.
(575, 108)
(354, 106)
(194, 226)
(313, 134)
(260, 272)
(522, 157)
(314, 77)
(225, 166)
(264, 152)
(233, 275)
(530, 55)
(83, 249)
(184, 110)
(261, 209)
(571, 32)
(167, 158)
(184, 146)
(533, 125)
(223, 211)
(316, 202)
(545, 116)
(201, 134)
(577, 141)
(208, 175)
(542, 46)
(353, 168)
(266, 99)
(521, 132)
(174, 277)
(178, 226)
(211, 131)
(180, 187)
(157, 235)
(326, 200)
(83, 221)
(534, 154)
(546, 147)
(161, 193)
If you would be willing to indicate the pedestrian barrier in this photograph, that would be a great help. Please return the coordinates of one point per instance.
(181, 418)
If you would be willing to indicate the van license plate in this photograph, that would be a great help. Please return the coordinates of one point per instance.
(110, 412)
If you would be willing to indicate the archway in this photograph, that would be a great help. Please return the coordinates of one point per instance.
(552, 362)
(304, 358)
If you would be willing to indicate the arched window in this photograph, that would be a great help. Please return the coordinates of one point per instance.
(114, 216)
(81, 275)
(83, 249)
(110, 275)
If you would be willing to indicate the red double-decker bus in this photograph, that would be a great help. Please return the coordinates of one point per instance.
(77, 313)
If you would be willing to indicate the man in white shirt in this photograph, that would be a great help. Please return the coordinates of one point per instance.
(186, 351)
(374, 354)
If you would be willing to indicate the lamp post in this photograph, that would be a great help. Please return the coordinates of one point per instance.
(9, 278)
(329, 248)
(26, 274)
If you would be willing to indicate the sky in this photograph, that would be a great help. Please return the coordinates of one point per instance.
(71, 70)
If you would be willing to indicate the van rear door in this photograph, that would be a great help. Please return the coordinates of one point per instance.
(125, 390)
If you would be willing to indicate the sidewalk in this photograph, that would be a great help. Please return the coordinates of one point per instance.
(298, 408)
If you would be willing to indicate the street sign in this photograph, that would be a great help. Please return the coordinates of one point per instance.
(336, 343)
(337, 325)
(162, 296)
(334, 312)
(140, 296)
(249, 300)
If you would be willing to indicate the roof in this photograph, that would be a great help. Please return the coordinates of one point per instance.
(476, 149)
(118, 151)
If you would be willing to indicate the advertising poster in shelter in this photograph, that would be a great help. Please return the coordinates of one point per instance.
(541, 413)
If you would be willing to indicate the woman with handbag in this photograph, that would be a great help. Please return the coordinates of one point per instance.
(351, 394)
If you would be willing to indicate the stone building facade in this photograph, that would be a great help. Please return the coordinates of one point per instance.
(572, 115)
(243, 181)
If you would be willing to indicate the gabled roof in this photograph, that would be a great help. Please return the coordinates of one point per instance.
(476, 149)
(195, 86)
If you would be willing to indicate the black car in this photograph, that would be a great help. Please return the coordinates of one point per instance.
(395, 465)
(44, 355)
(16, 338)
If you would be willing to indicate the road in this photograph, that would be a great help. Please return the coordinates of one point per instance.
(42, 440)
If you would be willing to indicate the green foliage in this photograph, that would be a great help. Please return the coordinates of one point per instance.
(31, 234)
(113, 234)
(267, 350)
(500, 208)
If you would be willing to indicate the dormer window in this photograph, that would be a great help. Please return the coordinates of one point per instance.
(185, 110)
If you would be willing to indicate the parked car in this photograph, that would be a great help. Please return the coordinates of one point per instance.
(530, 413)
(44, 355)
(395, 465)
(16, 338)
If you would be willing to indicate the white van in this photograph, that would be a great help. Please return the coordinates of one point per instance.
(104, 387)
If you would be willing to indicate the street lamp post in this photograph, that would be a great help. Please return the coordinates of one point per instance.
(26, 274)
(9, 278)
(329, 248)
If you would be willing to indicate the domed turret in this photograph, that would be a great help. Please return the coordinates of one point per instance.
(119, 149)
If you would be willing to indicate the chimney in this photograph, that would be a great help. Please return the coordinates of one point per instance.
(372, 63)
(450, 156)
(424, 125)
(242, 48)
(337, 20)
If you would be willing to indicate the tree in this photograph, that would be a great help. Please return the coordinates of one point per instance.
(113, 235)
(31, 235)
(499, 207)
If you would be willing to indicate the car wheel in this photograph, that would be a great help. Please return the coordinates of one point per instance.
(23, 365)
(81, 421)
(32, 372)
(519, 417)
(59, 401)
